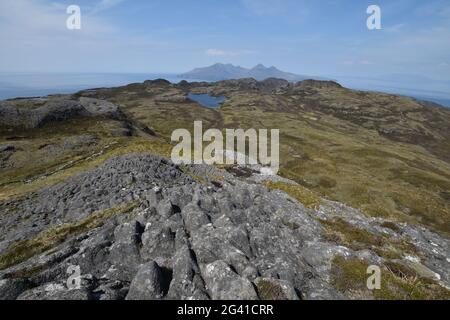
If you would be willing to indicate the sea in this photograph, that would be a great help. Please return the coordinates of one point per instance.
(22, 85)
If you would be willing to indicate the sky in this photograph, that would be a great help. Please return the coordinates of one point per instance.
(313, 37)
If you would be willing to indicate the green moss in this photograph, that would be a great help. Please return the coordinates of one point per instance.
(350, 277)
(52, 237)
(327, 182)
(308, 198)
(351, 236)
(26, 273)
(400, 270)
(390, 225)
(345, 234)
(267, 290)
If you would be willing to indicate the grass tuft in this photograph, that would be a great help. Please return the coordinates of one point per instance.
(269, 291)
(343, 233)
(349, 276)
(306, 197)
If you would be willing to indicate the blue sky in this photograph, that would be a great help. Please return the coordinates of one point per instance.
(315, 37)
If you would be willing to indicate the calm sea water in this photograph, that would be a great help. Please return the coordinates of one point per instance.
(13, 85)
(434, 92)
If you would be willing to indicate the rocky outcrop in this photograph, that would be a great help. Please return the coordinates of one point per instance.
(140, 227)
(99, 107)
(319, 84)
(9, 115)
(52, 109)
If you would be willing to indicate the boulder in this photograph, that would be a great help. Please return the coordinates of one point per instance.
(223, 283)
(148, 284)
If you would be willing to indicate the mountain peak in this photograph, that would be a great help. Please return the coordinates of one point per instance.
(220, 71)
(259, 66)
(219, 64)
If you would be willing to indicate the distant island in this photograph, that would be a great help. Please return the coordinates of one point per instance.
(220, 71)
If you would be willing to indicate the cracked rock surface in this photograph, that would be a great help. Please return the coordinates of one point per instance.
(170, 236)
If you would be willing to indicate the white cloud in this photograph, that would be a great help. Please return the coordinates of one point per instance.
(225, 53)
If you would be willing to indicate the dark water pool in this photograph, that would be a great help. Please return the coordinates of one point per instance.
(207, 101)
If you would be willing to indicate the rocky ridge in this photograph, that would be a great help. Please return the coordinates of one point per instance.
(140, 227)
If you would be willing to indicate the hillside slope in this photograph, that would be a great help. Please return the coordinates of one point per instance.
(84, 181)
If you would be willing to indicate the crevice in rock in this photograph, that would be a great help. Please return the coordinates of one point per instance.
(167, 276)
(176, 209)
(139, 231)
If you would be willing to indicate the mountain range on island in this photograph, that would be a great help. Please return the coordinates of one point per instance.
(220, 71)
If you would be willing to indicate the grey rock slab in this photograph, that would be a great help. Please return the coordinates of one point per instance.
(10, 289)
(55, 291)
(148, 284)
(223, 283)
